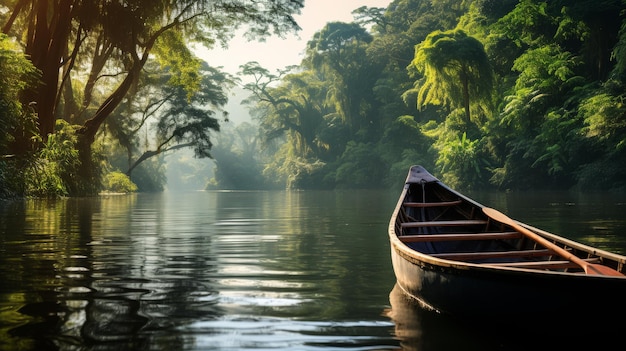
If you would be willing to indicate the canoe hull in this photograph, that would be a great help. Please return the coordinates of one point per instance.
(492, 289)
(474, 292)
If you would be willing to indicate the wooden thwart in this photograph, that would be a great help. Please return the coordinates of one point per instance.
(443, 223)
(458, 237)
(467, 256)
(544, 264)
(432, 204)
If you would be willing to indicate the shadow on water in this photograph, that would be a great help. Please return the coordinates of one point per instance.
(421, 329)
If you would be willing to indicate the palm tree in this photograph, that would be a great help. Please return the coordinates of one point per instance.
(456, 71)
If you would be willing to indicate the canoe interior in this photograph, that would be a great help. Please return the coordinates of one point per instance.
(437, 221)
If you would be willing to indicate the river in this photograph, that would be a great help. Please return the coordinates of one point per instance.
(230, 270)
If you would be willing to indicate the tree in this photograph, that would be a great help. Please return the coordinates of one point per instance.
(116, 39)
(338, 53)
(238, 159)
(294, 107)
(182, 120)
(365, 16)
(292, 111)
(16, 74)
(456, 72)
(619, 52)
(17, 122)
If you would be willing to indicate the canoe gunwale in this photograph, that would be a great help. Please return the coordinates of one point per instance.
(568, 242)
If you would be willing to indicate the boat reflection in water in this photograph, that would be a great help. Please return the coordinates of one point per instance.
(421, 329)
(418, 328)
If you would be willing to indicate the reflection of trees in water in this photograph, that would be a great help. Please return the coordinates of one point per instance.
(45, 242)
(114, 321)
(133, 319)
(99, 278)
(153, 281)
(317, 246)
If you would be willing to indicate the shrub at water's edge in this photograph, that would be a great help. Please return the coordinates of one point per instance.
(118, 182)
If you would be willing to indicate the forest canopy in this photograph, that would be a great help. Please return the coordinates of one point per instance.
(506, 94)
(499, 94)
(109, 69)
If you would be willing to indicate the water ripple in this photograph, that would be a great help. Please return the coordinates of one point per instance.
(239, 332)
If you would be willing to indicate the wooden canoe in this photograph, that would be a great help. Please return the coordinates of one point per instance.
(459, 257)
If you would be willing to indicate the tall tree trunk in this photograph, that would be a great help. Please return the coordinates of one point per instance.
(16, 11)
(89, 172)
(87, 134)
(87, 181)
(48, 34)
(92, 125)
(102, 53)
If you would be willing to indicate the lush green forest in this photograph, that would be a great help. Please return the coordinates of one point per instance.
(506, 94)
(94, 93)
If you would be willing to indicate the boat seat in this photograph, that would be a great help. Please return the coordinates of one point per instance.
(433, 204)
(544, 264)
(458, 237)
(470, 256)
(455, 223)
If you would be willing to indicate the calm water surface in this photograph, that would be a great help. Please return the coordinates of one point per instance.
(239, 271)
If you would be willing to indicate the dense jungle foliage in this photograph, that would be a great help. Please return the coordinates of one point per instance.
(487, 93)
(506, 94)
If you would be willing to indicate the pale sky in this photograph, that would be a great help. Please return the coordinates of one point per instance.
(278, 53)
